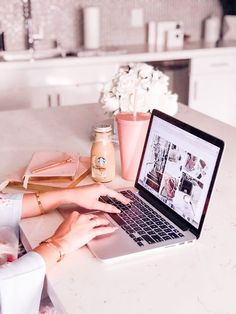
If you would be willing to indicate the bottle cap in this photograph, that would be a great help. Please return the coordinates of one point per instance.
(103, 128)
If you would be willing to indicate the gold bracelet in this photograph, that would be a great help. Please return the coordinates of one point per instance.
(49, 242)
(40, 205)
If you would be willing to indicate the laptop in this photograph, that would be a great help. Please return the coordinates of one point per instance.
(171, 194)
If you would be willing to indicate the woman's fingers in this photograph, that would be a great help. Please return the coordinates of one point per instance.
(86, 217)
(118, 196)
(88, 197)
(103, 230)
(78, 229)
(106, 207)
(101, 226)
(73, 217)
(98, 221)
(112, 193)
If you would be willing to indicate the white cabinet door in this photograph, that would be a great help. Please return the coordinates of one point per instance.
(18, 92)
(13, 94)
(215, 96)
(15, 98)
(213, 87)
(68, 85)
(77, 95)
(42, 97)
(86, 83)
(50, 86)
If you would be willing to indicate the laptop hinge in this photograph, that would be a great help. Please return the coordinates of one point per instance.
(165, 211)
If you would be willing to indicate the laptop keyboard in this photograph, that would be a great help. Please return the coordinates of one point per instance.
(141, 222)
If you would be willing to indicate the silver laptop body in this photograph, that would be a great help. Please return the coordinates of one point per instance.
(175, 179)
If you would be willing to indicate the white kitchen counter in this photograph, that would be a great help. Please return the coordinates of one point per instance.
(79, 80)
(137, 53)
(199, 278)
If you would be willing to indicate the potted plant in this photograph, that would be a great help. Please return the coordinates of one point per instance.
(131, 96)
(138, 88)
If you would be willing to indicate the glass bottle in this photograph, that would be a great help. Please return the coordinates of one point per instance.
(103, 154)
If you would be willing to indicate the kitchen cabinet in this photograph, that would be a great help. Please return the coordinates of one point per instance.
(17, 91)
(65, 95)
(207, 87)
(51, 86)
(78, 94)
(212, 86)
(73, 85)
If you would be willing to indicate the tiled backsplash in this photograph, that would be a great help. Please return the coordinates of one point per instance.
(62, 20)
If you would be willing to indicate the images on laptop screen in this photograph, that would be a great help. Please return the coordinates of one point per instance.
(177, 168)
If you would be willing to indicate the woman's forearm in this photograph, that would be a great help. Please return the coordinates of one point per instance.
(50, 253)
(77, 229)
(84, 196)
(34, 205)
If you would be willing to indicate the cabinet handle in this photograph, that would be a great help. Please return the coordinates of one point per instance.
(58, 100)
(195, 90)
(49, 101)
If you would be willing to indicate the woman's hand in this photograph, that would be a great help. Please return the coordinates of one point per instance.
(77, 230)
(88, 197)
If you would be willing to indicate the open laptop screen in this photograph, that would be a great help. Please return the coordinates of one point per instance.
(178, 167)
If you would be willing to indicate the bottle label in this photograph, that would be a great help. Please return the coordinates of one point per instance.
(99, 167)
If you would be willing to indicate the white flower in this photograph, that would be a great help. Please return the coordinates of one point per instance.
(138, 88)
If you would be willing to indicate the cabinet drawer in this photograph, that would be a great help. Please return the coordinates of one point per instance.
(72, 75)
(78, 95)
(213, 64)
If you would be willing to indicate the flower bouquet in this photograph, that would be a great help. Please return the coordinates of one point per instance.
(138, 88)
(131, 96)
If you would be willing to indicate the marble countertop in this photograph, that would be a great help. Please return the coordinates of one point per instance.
(199, 278)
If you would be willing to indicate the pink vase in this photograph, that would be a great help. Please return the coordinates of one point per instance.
(131, 135)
